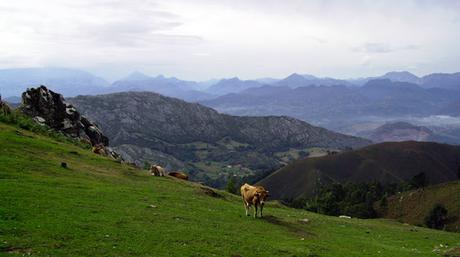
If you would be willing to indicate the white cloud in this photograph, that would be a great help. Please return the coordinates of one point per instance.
(200, 39)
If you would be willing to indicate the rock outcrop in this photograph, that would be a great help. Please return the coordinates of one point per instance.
(4, 107)
(48, 107)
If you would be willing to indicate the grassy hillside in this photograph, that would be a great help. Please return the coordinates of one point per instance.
(413, 206)
(97, 207)
(391, 162)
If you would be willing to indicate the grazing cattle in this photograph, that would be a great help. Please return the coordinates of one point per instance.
(178, 174)
(99, 149)
(156, 170)
(253, 195)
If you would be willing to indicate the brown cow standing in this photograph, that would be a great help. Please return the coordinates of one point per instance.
(156, 170)
(253, 195)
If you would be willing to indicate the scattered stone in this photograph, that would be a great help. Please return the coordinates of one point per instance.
(152, 206)
(344, 217)
(305, 221)
(39, 120)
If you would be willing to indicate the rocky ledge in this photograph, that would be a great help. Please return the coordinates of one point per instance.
(48, 107)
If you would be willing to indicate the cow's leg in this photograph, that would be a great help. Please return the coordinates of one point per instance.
(245, 206)
(255, 210)
(247, 211)
(261, 209)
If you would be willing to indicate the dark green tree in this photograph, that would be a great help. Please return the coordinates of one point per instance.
(437, 217)
(384, 202)
(231, 185)
(419, 180)
(146, 165)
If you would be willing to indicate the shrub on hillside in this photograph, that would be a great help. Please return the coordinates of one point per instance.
(437, 218)
(419, 180)
(231, 184)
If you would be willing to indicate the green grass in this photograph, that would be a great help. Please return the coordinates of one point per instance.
(98, 207)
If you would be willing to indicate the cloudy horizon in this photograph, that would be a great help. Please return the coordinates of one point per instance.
(200, 40)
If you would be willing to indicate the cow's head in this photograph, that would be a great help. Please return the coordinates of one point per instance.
(261, 195)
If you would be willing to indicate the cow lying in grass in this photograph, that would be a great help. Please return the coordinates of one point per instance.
(253, 195)
(178, 174)
(156, 170)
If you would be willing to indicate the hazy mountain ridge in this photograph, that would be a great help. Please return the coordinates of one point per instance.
(72, 82)
(326, 105)
(340, 105)
(433, 80)
(233, 85)
(69, 81)
(173, 87)
(192, 133)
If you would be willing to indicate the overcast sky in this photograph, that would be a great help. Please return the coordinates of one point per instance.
(212, 39)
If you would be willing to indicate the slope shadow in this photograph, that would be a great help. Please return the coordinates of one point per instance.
(291, 227)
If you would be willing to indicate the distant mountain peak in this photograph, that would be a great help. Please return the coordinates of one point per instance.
(402, 76)
(309, 76)
(233, 79)
(137, 76)
(400, 73)
(295, 76)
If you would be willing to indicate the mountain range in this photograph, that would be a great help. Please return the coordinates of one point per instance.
(187, 90)
(343, 105)
(330, 106)
(145, 126)
(72, 82)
